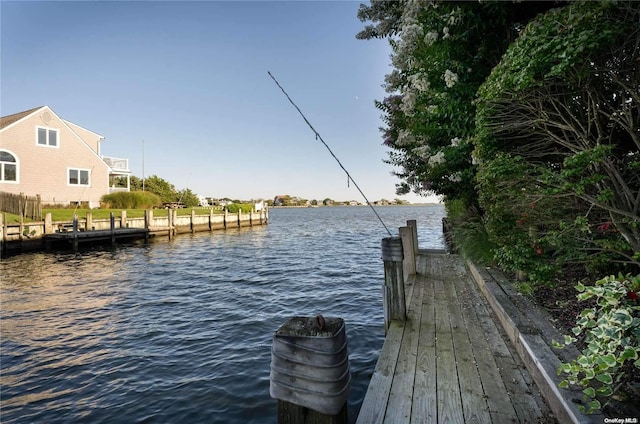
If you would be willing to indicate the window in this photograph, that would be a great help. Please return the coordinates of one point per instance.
(78, 177)
(46, 137)
(8, 167)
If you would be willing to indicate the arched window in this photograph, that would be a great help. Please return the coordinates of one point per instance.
(8, 167)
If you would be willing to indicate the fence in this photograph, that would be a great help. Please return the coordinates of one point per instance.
(19, 204)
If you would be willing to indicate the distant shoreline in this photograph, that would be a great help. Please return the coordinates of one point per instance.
(352, 206)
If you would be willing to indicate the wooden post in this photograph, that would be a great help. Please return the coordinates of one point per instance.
(39, 206)
(112, 226)
(393, 295)
(21, 236)
(414, 226)
(225, 218)
(174, 220)
(170, 218)
(193, 220)
(75, 232)
(88, 226)
(211, 219)
(290, 413)
(409, 261)
(123, 219)
(310, 371)
(48, 223)
(239, 218)
(148, 217)
(3, 230)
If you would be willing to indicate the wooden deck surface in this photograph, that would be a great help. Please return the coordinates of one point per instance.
(449, 362)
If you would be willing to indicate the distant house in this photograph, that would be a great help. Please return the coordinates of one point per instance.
(202, 201)
(43, 154)
(280, 200)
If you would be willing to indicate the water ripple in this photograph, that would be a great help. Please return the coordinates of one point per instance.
(181, 331)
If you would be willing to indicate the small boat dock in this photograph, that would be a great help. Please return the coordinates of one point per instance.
(97, 236)
(450, 361)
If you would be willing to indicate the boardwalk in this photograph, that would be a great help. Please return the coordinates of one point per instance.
(449, 363)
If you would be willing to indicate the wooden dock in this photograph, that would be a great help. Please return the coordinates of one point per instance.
(28, 236)
(450, 362)
(118, 234)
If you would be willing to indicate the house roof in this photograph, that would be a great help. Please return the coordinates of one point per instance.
(83, 128)
(5, 121)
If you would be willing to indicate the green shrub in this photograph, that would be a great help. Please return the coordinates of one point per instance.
(612, 337)
(469, 233)
(245, 207)
(131, 200)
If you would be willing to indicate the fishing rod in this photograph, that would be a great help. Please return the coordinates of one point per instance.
(319, 137)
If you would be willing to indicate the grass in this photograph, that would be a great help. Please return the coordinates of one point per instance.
(67, 214)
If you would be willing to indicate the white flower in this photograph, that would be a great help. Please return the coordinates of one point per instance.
(454, 16)
(413, 8)
(455, 178)
(436, 159)
(405, 138)
(403, 58)
(445, 33)
(411, 33)
(408, 103)
(418, 82)
(455, 142)
(474, 159)
(450, 78)
(422, 152)
(430, 38)
(392, 81)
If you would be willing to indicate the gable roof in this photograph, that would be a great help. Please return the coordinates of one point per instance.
(5, 121)
(72, 125)
(9, 120)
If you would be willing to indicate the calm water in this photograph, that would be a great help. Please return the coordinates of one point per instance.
(180, 331)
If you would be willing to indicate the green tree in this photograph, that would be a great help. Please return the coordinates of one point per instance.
(558, 141)
(188, 198)
(162, 188)
(135, 183)
(442, 52)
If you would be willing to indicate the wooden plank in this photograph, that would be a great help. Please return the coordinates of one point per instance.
(375, 401)
(474, 404)
(401, 395)
(523, 400)
(451, 361)
(527, 404)
(424, 394)
(496, 395)
(447, 385)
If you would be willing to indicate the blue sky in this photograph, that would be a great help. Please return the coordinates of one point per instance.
(188, 81)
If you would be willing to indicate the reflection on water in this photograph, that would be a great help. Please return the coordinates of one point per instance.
(181, 330)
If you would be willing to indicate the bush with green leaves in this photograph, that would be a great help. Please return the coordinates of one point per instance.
(131, 200)
(556, 127)
(235, 207)
(611, 331)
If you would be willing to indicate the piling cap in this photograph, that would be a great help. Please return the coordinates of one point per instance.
(392, 249)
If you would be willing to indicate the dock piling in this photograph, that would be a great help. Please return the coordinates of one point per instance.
(310, 374)
(395, 307)
(409, 251)
(75, 232)
(112, 226)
